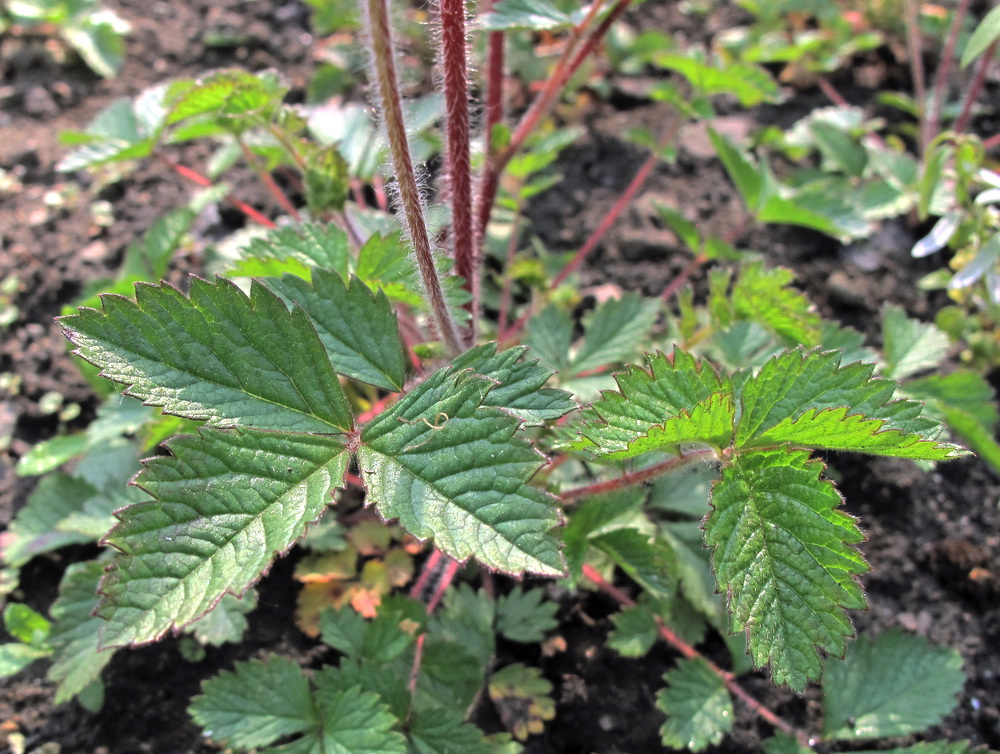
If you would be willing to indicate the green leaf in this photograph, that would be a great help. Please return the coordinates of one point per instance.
(233, 96)
(220, 356)
(352, 721)
(635, 631)
(708, 423)
(358, 328)
(686, 230)
(985, 34)
(378, 641)
(836, 429)
(450, 468)
(16, 657)
(26, 625)
(226, 504)
(612, 332)
(794, 382)
(550, 335)
(750, 84)
(892, 685)
(523, 616)
(910, 346)
(76, 662)
(930, 747)
(766, 297)
(698, 707)
(51, 454)
(226, 622)
(100, 41)
(326, 181)
(784, 743)
(255, 704)
(310, 244)
(520, 388)
(445, 732)
(839, 148)
(741, 169)
(642, 559)
(536, 15)
(783, 553)
(648, 399)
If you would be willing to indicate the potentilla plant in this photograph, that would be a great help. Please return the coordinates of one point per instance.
(309, 380)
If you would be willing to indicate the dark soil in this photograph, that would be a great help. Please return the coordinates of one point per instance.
(933, 538)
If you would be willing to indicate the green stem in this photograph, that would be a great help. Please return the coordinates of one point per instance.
(411, 206)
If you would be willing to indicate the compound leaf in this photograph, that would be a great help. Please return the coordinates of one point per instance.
(256, 703)
(520, 388)
(646, 399)
(358, 327)
(76, 662)
(450, 468)
(442, 731)
(227, 621)
(352, 721)
(834, 429)
(378, 641)
(698, 707)
(892, 685)
(783, 554)
(221, 356)
(226, 504)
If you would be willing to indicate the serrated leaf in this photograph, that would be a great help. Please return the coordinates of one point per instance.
(749, 83)
(836, 429)
(311, 244)
(697, 704)
(520, 388)
(232, 95)
(550, 334)
(708, 423)
(521, 696)
(226, 504)
(766, 297)
(892, 685)
(646, 399)
(219, 356)
(784, 555)
(227, 621)
(450, 468)
(910, 346)
(352, 721)
(358, 328)
(794, 382)
(635, 631)
(76, 662)
(378, 641)
(523, 616)
(445, 732)
(612, 332)
(256, 703)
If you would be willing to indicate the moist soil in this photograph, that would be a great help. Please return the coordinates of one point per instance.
(933, 539)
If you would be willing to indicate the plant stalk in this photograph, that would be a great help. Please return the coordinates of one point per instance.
(636, 477)
(975, 87)
(915, 48)
(458, 167)
(932, 124)
(410, 203)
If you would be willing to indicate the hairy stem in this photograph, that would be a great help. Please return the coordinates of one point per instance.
(411, 206)
(636, 477)
(459, 171)
(690, 652)
(975, 87)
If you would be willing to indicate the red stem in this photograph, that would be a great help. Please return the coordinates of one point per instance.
(690, 652)
(204, 182)
(932, 124)
(636, 477)
(268, 180)
(991, 142)
(975, 87)
(458, 168)
(682, 277)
